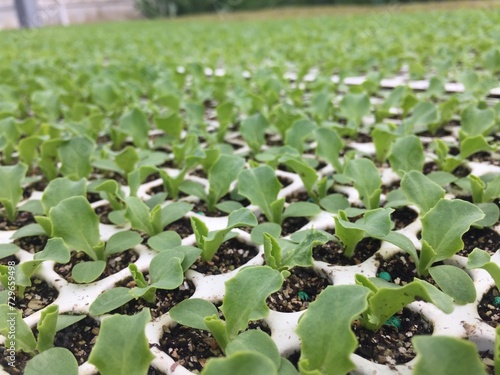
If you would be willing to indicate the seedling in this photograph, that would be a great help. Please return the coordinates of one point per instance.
(10, 188)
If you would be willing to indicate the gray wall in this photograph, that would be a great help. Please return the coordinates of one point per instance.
(50, 12)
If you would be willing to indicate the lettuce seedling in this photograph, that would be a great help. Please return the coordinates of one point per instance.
(476, 121)
(221, 174)
(209, 242)
(469, 145)
(75, 155)
(152, 220)
(298, 133)
(438, 242)
(284, 258)
(446, 355)
(166, 271)
(407, 154)
(132, 356)
(244, 301)
(329, 145)
(74, 220)
(251, 352)
(253, 130)
(41, 347)
(354, 107)
(261, 186)
(481, 259)
(11, 193)
(383, 136)
(366, 179)
(326, 348)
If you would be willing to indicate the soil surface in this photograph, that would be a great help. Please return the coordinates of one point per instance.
(33, 244)
(181, 226)
(485, 238)
(23, 218)
(36, 297)
(231, 255)
(489, 307)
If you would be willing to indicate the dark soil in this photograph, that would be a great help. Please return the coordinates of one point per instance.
(389, 345)
(403, 216)
(20, 363)
(402, 269)
(301, 196)
(192, 348)
(460, 171)
(79, 338)
(115, 263)
(299, 289)
(103, 212)
(231, 255)
(489, 309)
(485, 238)
(36, 297)
(292, 224)
(165, 299)
(181, 226)
(284, 181)
(484, 157)
(23, 218)
(33, 244)
(332, 252)
(93, 197)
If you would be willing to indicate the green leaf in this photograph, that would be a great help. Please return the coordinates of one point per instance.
(329, 146)
(165, 270)
(122, 241)
(261, 186)
(475, 121)
(389, 298)
(172, 125)
(383, 135)
(228, 206)
(326, 347)
(407, 155)
(224, 171)
(24, 340)
(241, 363)
(8, 249)
(301, 255)
(242, 304)
(55, 250)
(127, 159)
(481, 259)
(253, 130)
(64, 321)
(471, 145)
(301, 209)
(367, 181)
(75, 221)
(447, 356)
(54, 361)
(132, 356)
(455, 282)
(424, 115)
(47, 328)
(421, 191)
(60, 189)
(355, 107)
(135, 124)
(193, 188)
(258, 232)
(491, 214)
(350, 236)
(86, 272)
(174, 211)
(165, 241)
(137, 213)
(297, 133)
(110, 300)
(334, 202)
(446, 241)
(255, 341)
(10, 188)
(75, 157)
(192, 312)
(307, 174)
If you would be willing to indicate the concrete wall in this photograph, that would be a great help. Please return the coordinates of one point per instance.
(54, 12)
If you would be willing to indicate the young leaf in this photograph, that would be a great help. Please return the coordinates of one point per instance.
(60, 189)
(165, 241)
(243, 304)
(389, 298)
(334, 202)
(241, 363)
(24, 340)
(367, 181)
(258, 232)
(355, 107)
(301, 209)
(75, 157)
(407, 155)
(253, 129)
(74, 220)
(138, 214)
(329, 146)
(475, 121)
(481, 259)
(122, 241)
(224, 171)
(297, 133)
(127, 159)
(440, 242)
(326, 347)
(446, 355)
(455, 282)
(47, 328)
(54, 361)
(132, 356)
(10, 188)
(421, 191)
(110, 300)
(261, 186)
(192, 312)
(383, 135)
(135, 123)
(86, 272)
(173, 212)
